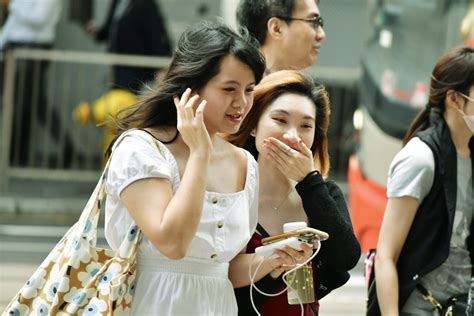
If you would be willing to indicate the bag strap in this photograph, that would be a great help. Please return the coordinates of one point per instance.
(129, 246)
(88, 222)
(90, 215)
(428, 296)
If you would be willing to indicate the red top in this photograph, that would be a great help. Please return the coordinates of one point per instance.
(278, 305)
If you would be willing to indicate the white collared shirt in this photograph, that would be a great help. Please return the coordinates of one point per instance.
(31, 21)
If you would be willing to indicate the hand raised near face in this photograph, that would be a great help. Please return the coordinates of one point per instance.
(191, 123)
(294, 163)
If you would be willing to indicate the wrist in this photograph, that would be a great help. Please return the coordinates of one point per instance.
(310, 174)
(201, 154)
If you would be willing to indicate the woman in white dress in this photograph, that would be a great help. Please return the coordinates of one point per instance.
(193, 195)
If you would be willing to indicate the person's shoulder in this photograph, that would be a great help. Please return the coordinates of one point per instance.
(236, 153)
(417, 152)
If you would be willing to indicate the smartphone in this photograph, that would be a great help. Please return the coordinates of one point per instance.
(306, 234)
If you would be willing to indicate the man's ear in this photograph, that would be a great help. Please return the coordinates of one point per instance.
(274, 27)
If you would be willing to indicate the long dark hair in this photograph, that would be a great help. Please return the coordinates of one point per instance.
(272, 87)
(196, 60)
(453, 71)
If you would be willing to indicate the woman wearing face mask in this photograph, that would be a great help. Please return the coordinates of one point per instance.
(286, 130)
(427, 240)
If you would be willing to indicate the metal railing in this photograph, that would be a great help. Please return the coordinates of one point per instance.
(73, 77)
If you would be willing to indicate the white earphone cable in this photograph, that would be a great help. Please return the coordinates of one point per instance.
(297, 266)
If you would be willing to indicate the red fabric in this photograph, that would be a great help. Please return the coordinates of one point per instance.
(278, 305)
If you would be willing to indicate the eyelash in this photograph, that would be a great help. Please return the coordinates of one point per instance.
(248, 91)
(282, 121)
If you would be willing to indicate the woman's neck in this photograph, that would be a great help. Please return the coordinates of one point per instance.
(272, 181)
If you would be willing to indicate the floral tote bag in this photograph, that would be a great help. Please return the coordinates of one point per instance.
(78, 278)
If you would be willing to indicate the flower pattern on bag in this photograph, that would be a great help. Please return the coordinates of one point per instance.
(56, 283)
(91, 270)
(130, 290)
(78, 278)
(78, 251)
(77, 298)
(18, 309)
(40, 307)
(95, 307)
(109, 275)
(30, 289)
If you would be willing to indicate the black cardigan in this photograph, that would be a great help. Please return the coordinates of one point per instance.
(326, 209)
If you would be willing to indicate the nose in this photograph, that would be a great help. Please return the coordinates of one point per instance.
(320, 34)
(242, 101)
(291, 136)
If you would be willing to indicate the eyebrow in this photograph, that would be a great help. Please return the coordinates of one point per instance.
(238, 83)
(313, 15)
(306, 117)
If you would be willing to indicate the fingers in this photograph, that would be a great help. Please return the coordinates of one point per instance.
(279, 146)
(188, 106)
(295, 254)
(200, 110)
(181, 102)
(290, 256)
(304, 149)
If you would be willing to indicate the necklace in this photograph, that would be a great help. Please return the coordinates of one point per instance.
(276, 208)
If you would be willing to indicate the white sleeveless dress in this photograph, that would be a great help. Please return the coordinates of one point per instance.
(197, 284)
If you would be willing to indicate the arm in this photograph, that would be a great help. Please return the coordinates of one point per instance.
(326, 209)
(102, 33)
(398, 217)
(171, 221)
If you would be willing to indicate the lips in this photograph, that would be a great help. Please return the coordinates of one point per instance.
(235, 118)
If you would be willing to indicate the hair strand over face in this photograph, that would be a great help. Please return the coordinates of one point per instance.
(196, 60)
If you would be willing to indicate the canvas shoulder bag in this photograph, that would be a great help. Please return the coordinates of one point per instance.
(79, 278)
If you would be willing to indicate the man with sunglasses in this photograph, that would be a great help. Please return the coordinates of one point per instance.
(289, 31)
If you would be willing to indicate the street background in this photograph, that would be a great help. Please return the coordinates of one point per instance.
(37, 205)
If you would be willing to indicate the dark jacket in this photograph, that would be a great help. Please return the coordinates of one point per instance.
(326, 210)
(139, 31)
(428, 241)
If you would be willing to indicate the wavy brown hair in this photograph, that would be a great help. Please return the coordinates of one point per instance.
(267, 91)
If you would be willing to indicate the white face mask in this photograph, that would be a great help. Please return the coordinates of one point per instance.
(469, 119)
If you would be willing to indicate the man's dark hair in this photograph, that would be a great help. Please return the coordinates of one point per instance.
(254, 14)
